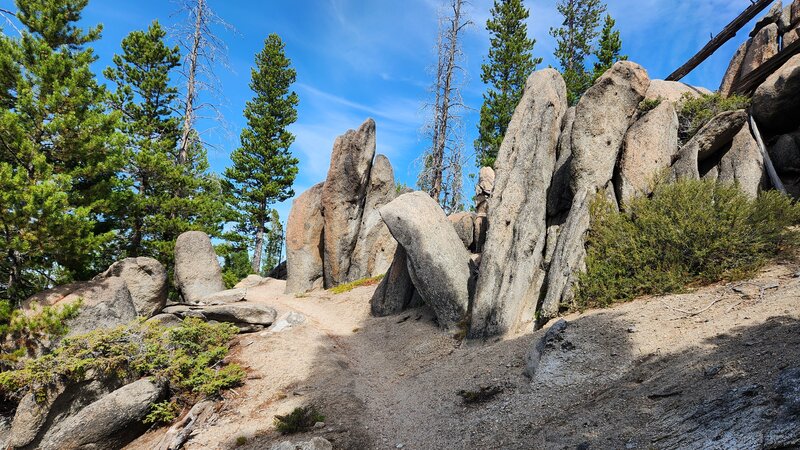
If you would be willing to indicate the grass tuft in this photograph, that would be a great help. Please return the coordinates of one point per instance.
(482, 395)
(342, 288)
(695, 112)
(301, 419)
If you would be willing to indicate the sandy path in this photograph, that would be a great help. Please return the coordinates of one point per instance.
(389, 382)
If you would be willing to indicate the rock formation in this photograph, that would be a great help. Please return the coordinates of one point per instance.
(197, 270)
(718, 132)
(438, 263)
(343, 196)
(776, 103)
(146, 279)
(304, 242)
(396, 291)
(510, 273)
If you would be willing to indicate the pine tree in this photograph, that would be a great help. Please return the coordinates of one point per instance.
(509, 63)
(609, 48)
(59, 150)
(575, 39)
(165, 198)
(263, 167)
(274, 242)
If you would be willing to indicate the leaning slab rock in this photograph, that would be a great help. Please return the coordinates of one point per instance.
(304, 241)
(511, 275)
(438, 263)
(197, 270)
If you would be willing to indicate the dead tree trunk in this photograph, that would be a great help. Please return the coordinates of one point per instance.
(191, 82)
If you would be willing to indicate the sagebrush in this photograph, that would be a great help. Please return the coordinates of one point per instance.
(690, 232)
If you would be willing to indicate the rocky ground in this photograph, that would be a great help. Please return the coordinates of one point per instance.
(715, 368)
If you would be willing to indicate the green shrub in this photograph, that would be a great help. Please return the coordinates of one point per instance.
(647, 105)
(163, 412)
(695, 112)
(28, 334)
(299, 420)
(189, 357)
(690, 232)
(342, 288)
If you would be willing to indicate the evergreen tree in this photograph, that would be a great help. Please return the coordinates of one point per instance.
(165, 198)
(609, 48)
(263, 167)
(274, 242)
(59, 151)
(575, 39)
(509, 63)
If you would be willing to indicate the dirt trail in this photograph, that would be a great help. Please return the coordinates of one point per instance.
(655, 373)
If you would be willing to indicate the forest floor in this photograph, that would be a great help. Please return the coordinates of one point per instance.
(702, 369)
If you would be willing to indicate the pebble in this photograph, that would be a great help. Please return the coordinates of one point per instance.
(319, 425)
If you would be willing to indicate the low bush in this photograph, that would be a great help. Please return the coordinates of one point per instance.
(647, 105)
(27, 334)
(301, 419)
(342, 288)
(189, 357)
(690, 232)
(695, 112)
(482, 395)
(163, 412)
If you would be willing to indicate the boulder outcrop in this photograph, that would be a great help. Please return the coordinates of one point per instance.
(717, 133)
(672, 91)
(375, 246)
(395, 292)
(304, 241)
(649, 147)
(438, 263)
(743, 164)
(761, 48)
(343, 197)
(734, 71)
(602, 117)
(776, 103)
(197, 270)
(146, 279)
(511, 274)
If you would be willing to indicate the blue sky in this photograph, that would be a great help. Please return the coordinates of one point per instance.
(370, 58)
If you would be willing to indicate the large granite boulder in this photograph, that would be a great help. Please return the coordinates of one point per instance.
(244, 313)
(559, 196)
(785, 153)
(111, 422)
(511, 266)
(568, 260)
(672, 91)
(734, 71)
(197, 270)
(375, 246)
(743, 164)
(483, 190)
(396, 291)
(343, 197)
(649, 147)
(438, 263)
(718, 132)
(761, 48)
(602, 117)
(147, 282)
(104, 304)
(304, 241)
(776, 103)
(464, 224)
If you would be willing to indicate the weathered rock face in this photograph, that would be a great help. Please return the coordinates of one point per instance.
(464, 224)
(717, 133)
(395, 292)
(375, 246)
(776, 103)
(568, 259)
(734, 71)
(484, 189)
(763, 47)
(511, 275)
(105, 304)
(601, 119)
(785, 153)
(439, 265)
(254, 280)
(241, 313)
(773, 16)
(110, 422)
(227, 296)
(147, 282)
(672, 91)
(35, 420)
(649, 147)
(197, 271)
(343, 197)
(304, 241)
(743, 163)
(559, 196)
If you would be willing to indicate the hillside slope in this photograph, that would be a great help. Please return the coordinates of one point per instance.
(716, 368)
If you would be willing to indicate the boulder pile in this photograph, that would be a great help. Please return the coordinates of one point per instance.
(335, 234)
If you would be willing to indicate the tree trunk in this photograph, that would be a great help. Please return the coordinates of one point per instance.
(259, 249)
(191, 88)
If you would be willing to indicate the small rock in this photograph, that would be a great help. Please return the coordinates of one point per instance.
(319, 425)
